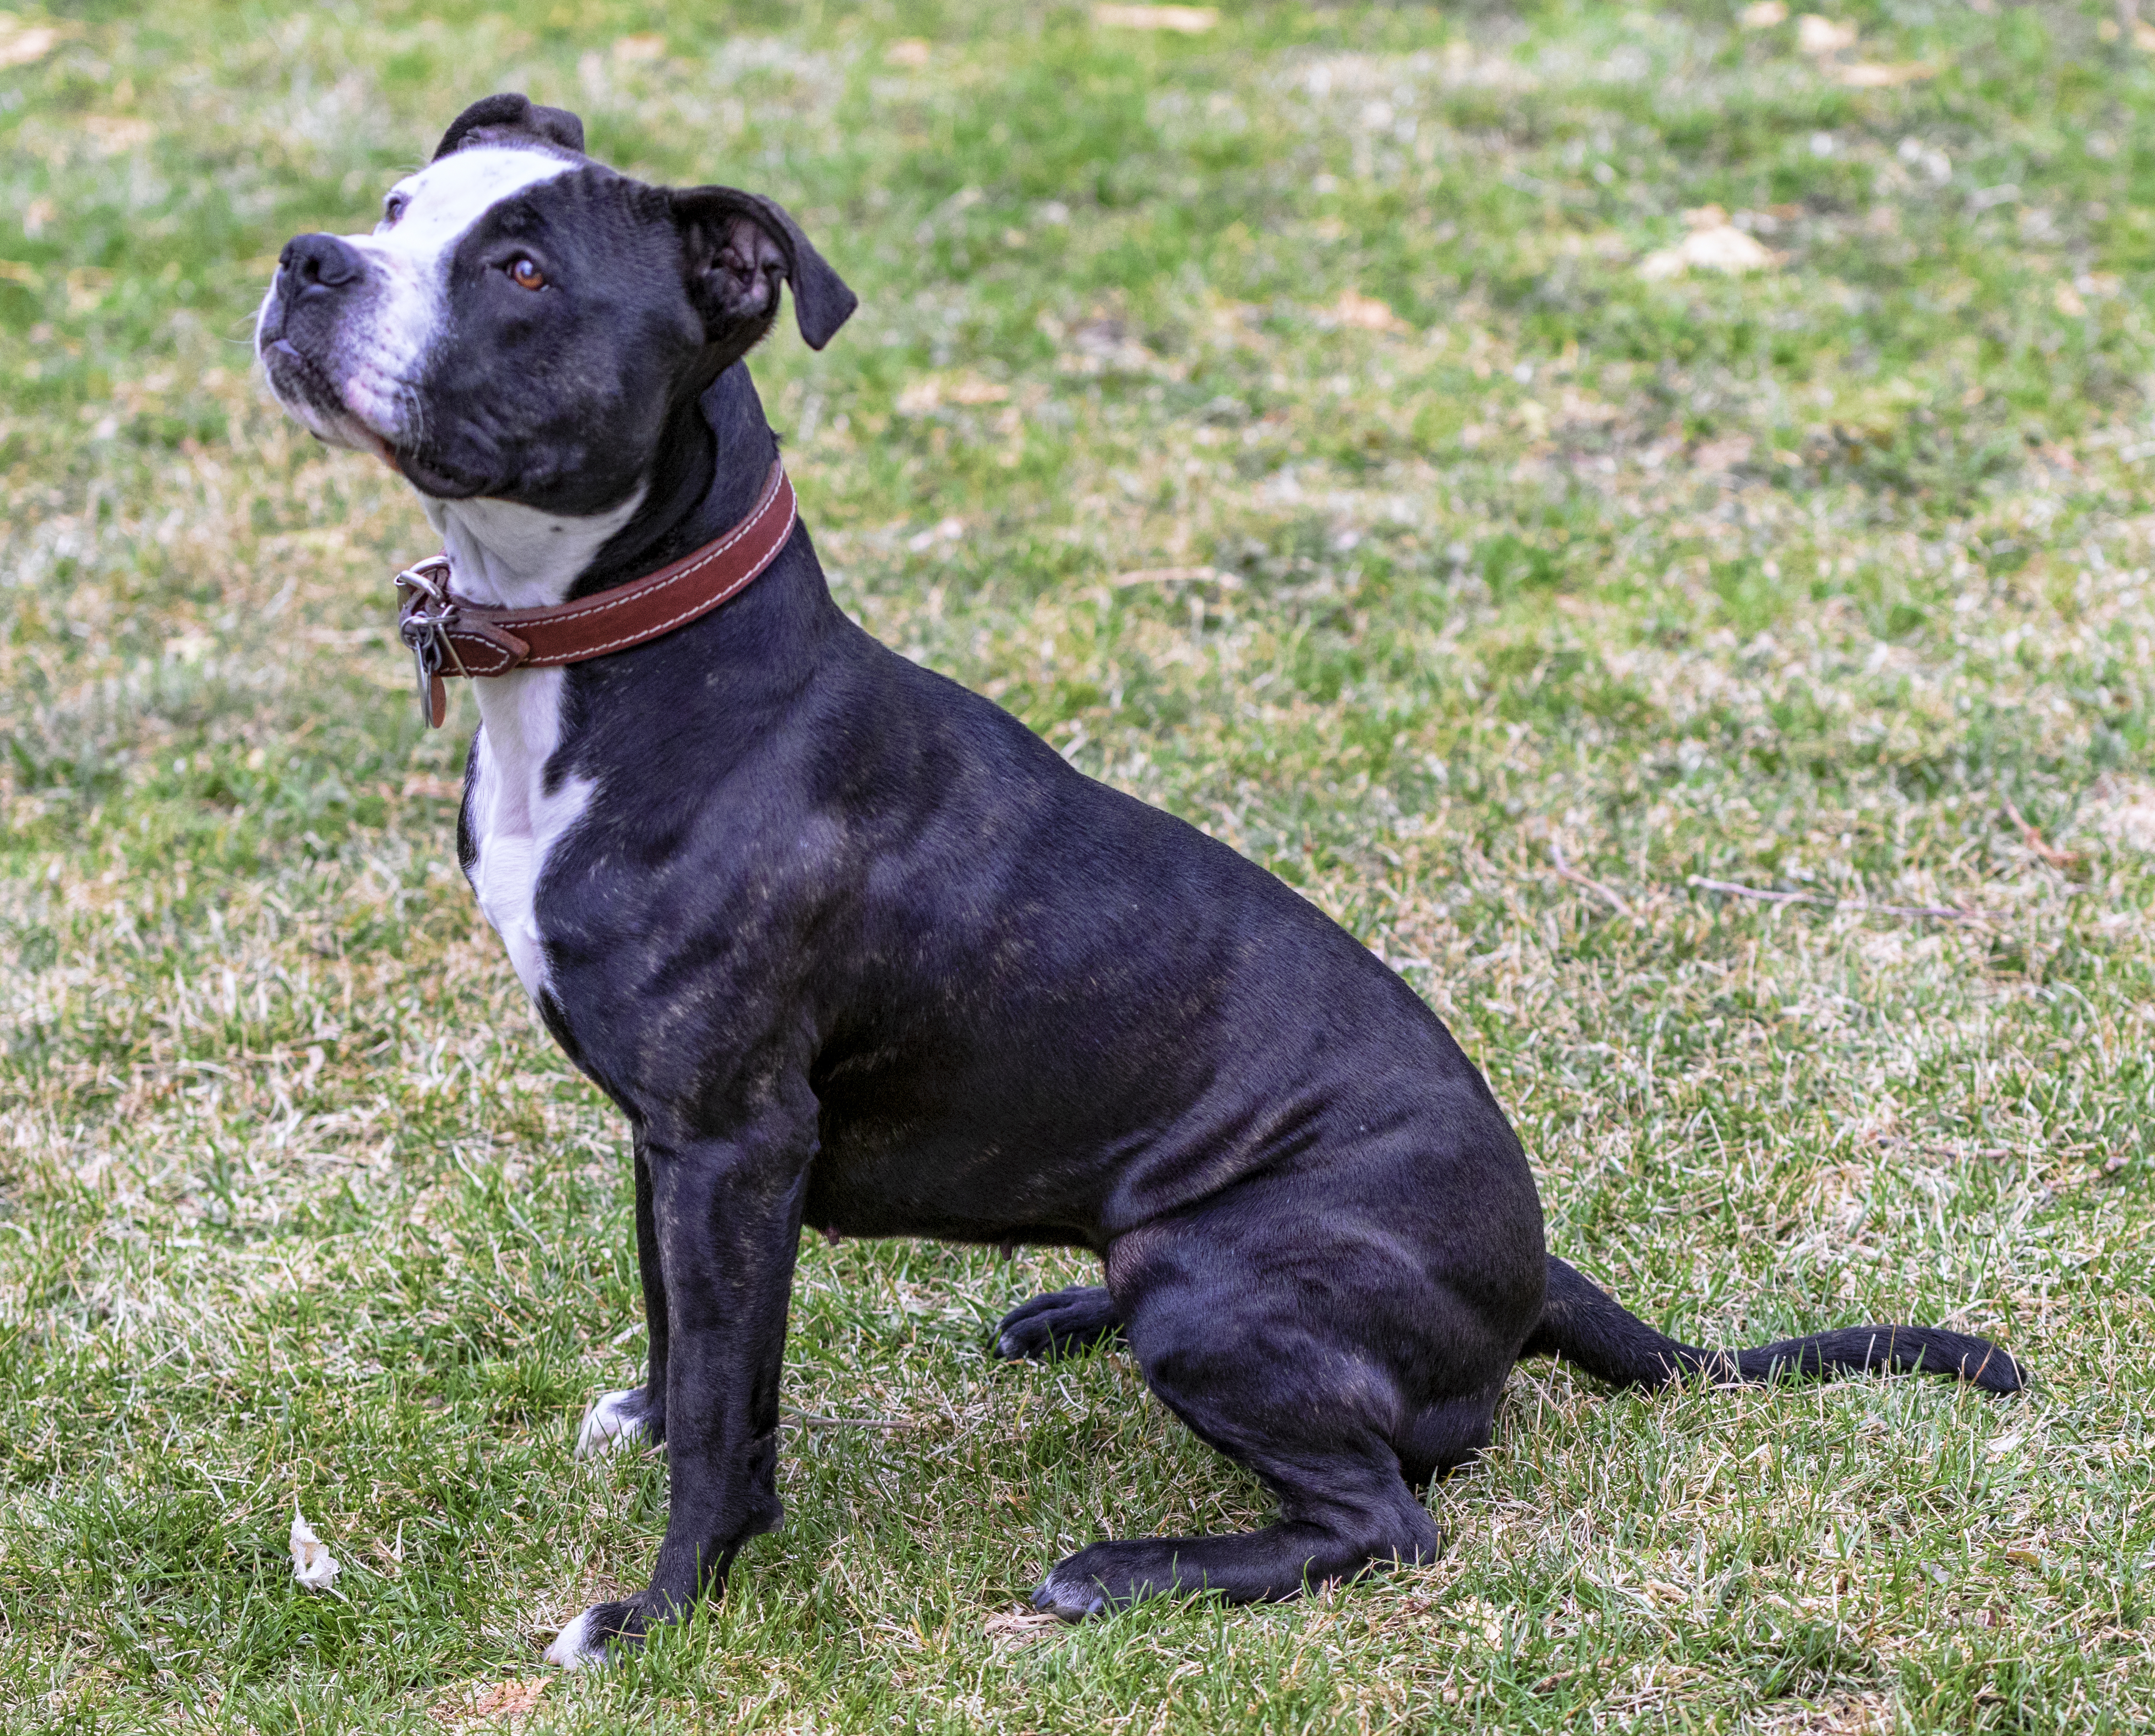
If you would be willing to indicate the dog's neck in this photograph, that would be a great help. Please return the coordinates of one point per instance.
(710, 461)
(509, 555)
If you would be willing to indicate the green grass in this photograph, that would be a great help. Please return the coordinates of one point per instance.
(1798, 579)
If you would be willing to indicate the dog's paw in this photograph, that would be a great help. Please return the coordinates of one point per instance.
(1060, 1323)
(574, 1648)
(615, 1420)
(1068, 1595)
(597, 1636)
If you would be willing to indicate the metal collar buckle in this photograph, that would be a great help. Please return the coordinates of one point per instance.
(424, 615)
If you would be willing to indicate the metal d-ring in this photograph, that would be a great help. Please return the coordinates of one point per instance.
(423, 623)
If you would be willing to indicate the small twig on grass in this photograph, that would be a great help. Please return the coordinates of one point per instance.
(808, 1420)
(1565, 871)
(1023, 1627)
(1935, 913)
(2036, 841)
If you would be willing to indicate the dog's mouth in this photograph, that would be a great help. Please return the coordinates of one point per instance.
(303, 386)
(432, 478)
(312, 393)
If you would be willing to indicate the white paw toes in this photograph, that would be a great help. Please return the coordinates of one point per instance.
(607, 1427)
(573, 1648)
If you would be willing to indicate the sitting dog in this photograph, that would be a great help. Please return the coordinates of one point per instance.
(851, 948)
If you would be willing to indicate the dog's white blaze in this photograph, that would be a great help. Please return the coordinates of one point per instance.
(605, 1430)
(380, 351)
(442, 202)
(446, 199)
(571, 1650)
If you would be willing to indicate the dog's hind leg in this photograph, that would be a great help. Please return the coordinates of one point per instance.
(1060, 1323)
(1290, 1343)
(637, 1415)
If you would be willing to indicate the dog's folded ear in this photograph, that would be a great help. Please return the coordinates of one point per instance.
(503, 116)
(737, 246)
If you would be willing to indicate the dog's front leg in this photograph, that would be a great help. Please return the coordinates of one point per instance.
(637, 1416)
(726, 1216)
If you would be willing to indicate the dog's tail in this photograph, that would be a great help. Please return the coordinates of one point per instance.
(1583, 1325)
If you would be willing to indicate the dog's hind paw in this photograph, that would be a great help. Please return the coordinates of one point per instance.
(1072, 1602)
(615, 1420)
(1060, 1323)
(596, 1637)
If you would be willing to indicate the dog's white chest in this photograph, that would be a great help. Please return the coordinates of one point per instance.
(515, 822)
(505, 554)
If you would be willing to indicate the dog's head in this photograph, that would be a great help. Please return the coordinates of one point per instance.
(523, 321)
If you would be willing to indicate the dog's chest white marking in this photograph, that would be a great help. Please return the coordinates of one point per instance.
(516, 821)
(507, 554)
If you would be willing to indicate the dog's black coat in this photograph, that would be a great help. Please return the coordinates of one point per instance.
(851, 948)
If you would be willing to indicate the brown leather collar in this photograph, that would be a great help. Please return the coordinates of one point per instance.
(450, 635)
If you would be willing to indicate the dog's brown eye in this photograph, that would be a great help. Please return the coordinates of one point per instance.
(524, 273)
(392, 207)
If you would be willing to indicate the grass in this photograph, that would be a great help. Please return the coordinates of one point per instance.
(1277, 419)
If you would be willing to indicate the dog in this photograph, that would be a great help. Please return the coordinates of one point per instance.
(852, 949)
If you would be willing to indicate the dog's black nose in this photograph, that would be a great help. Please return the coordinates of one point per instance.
(312, 261)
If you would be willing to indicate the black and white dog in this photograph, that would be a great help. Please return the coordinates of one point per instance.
(851, 948)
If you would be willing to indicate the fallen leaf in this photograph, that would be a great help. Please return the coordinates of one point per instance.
(1816, 35)
(907, 51)
(1865, 76)
(929, 393)
(1365, 312)
(2004, 1444)
(1714, 244)
(1725, 453)
(1762, 15)
(1104, 345)
(20, 44)
(1482, 1617)
(1190, 20)
(2024, 1558)
(948, 531)
(477, 1702)
(312, 1564)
